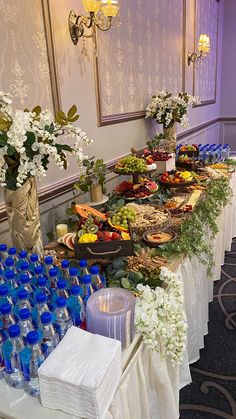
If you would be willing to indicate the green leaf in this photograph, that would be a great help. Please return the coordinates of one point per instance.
(11, 150)
(119, 274)
(74, 118)
(86, 163)
(118, 263)
(72, 111)
(125, 283)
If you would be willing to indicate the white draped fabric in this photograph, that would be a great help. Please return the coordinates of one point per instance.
(149, 386)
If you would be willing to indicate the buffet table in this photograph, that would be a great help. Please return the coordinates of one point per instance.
(149, 386)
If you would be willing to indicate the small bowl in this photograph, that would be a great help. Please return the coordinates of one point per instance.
(155, 243)
(177, 212)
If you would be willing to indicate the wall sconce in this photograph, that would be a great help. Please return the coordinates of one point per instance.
(203, 49)
(99, 14)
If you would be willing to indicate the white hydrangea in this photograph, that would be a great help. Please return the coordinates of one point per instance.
(160, 317)
(166, 108)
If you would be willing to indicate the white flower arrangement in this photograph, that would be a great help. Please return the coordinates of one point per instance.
(29, 138)
(167, 108)
(160, 317)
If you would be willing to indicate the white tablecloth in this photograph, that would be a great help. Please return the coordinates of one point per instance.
(149, 386)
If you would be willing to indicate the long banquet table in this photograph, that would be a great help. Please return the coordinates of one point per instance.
(149, 386)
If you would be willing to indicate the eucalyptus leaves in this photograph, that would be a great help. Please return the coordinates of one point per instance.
(29, 138)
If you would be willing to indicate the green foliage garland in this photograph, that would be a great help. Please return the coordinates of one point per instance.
(193, 232)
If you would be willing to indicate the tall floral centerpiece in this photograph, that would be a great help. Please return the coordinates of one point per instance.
(168, 109)
(28, 139)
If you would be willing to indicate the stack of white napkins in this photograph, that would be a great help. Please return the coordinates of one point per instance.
(81, 375)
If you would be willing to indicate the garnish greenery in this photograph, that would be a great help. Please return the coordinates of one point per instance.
(201, 226)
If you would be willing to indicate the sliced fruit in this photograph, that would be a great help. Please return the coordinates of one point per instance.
(85, 211)
(88, 238)
(92, 228)
(125, 236)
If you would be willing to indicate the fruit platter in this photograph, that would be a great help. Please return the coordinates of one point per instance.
(154, 156)
(157, 238)
(177, 178)
(131, 165)
(148, 217)
(190, 150)
(142, 190)
(100, 235)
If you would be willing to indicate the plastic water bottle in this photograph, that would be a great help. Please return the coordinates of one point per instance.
(53, 277)
(22, 257)
(43, 285)
(74, 276)
(76, 305)
(12, 349)
(61, 289)
(38, 271)
(2, 278)
(11, 279)
(103, 279)
(96, 279)
(65, 269)
(48, 264)
(26, 284)
(22, 302)
(87, 287)
(12, 253)
(34, 261)
(83, 264)
(25, 322)
(5, 296)
(23, 268)
(7, 317)
(10, 264)
(41, 305)
(50, 336)
(36, 359)
(2, 365)
(62, 317)
(3, 252)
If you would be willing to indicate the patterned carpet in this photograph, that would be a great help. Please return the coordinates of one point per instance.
(212, 394)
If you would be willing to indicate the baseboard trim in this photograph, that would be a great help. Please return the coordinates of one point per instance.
(64, 186)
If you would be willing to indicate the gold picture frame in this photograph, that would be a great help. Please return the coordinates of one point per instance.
(213, 100)
(51, 56)
(124, 117)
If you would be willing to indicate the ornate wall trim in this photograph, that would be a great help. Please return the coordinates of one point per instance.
(127, 116)
(51, 55)
(195, 68)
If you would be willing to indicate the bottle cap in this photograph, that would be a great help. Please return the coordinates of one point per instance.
(24, 266)
(24, 314)
(3, 247)
(65, 263)
(38, 270)
(41, 298)
(46, 317)
(48, 260)
(14, 331)
(76, 290)
(83, 263)
(23, 254)
(61, 301)
(61, 283)
(22, 294)
(94, 270)
(5, 308)
(3, 290)
(34, 257)
(24, 278)
(10, 274)
(9, 262)
(12, 251)
(87, 279)
(42, 280)
(53, 272)
(73, 271)
(32, 337)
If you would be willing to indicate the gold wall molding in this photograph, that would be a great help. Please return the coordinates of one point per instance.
(131, 64)
(205, 72)
(51, 55)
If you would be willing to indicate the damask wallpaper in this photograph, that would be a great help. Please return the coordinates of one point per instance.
(205, 71)
(142, 55)
(24, 70)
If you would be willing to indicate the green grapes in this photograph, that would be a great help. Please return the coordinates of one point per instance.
(131, 164)
(122, 216)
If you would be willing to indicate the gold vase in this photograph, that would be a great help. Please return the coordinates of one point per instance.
(170, 141)
(96, 193)
(23, 217)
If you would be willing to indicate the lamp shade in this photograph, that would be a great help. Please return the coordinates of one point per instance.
(91, 5)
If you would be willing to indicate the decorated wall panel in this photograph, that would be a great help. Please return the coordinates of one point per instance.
(205, 71)
(144, 54)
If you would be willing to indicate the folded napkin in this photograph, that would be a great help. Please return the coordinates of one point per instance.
(82, 374)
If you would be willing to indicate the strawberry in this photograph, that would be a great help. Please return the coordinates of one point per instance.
(115, 236)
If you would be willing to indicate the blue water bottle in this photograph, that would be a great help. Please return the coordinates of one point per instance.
(62, 317)
(76, 305)
(2, 365)
(83, 264)
(96, 279)
(87, 287)
(50, 335)
(74, 277)
(5, 296)
(53, 277)
(48, 264)
(65, 273)
(3, 252)
(25, 322)
(7, 317)
(12, 349)
(35, 360)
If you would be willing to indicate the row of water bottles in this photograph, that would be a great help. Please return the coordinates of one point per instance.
(38, 303)
(210, 153)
